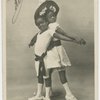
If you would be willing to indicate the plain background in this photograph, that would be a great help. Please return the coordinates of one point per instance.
(1, 54)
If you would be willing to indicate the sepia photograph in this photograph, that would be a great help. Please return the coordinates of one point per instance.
(49, 49)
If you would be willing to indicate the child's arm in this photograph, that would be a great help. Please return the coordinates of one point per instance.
(60, 31)
(62, 37)
(32, 42)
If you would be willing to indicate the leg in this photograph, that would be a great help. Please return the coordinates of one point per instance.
(48, 82)
(38, 95)
(51, 92)
(63, 79)
(40, 86)
(69, 95)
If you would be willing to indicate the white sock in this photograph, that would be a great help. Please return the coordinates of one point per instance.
(67, 89)
(51, 92)
(47, 92)
(39, 89)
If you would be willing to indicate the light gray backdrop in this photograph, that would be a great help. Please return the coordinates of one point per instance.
(75, 16)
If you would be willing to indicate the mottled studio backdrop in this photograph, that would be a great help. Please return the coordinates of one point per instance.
(75, 16)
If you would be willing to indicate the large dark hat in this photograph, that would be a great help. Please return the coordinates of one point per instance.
(45, 7)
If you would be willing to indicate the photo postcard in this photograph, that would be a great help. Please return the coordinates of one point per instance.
(50, 49)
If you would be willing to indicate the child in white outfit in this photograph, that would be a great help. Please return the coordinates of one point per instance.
(42, 41)
(61, 56)
(57, 54)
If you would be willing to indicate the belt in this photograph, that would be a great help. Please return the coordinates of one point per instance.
(53, 44)
(41, 63)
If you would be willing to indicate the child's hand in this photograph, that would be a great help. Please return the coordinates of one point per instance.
(29, 45)
(82, 42)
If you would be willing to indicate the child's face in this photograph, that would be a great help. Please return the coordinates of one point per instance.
(42, 24)
(51, 17)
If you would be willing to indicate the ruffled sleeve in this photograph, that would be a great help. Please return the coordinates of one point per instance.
(53, 26)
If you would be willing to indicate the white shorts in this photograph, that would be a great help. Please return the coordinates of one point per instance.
(55, 58)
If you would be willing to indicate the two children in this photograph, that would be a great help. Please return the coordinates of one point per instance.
(48, 49)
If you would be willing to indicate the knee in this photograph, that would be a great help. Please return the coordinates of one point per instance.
(40, 79)
(47, 81)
